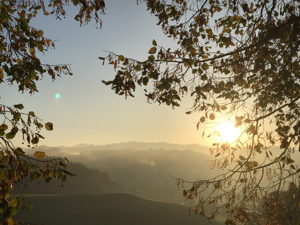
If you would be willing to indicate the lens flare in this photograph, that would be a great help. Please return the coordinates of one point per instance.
(57, 95)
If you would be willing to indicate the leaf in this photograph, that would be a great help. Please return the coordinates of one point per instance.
(75, 2)
(19, 151)
(254, 163)
(10, 135)
(205, 66)
(247, 120)
(145, 80)
(3, 127)
(10, 221)
(154, 43)
(138, 67)
(35, 140)
(39, 155)
(17, 116)
(121, 58)
(151, 58)
(32, 51)
(276, 159)
(152, 50)
(224, 107)
(242, 157)
(49, 126)
(19, 106)
(28, 207)
(189, 112)
(14, 203)
(31, 113)
(2, 133)
(212, 116)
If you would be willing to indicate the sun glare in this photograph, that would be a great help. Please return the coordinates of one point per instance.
(227, 132)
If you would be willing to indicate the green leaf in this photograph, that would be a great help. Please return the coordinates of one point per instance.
(10, 135)
(276, 159)
(39, 155)
(152, 50)
(154, 43)
(29, 206)
(151, 58)
(14, 203)
(19, 151)
(2, 133)
(17, 116)
(75, 2)
(13, 212)
(205, 66)
(19, 106)
(138, 67)
(35, 140)
(49, 126)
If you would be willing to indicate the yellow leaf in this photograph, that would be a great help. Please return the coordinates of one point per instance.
(32, 51)
(49, 126)
(10, 221)
(39, 155)
(3, 127)
(152, 50)
(121, 57)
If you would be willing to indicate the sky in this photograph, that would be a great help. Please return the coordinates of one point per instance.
(87, 110)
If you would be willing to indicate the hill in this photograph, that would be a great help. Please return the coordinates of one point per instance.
(86, 181)
(106, 209)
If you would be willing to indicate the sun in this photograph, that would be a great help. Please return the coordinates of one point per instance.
(227, 132)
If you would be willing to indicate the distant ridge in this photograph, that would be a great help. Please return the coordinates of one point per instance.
(134, 145)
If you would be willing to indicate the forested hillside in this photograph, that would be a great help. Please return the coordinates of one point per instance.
(86, 181)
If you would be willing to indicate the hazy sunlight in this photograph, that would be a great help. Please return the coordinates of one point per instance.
(227, 132)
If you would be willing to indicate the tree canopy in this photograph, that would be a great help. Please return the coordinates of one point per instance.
(239, 61)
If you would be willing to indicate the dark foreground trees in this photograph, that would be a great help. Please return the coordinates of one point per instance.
(239, 61)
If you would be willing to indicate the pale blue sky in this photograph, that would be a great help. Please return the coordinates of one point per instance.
(88, 111)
